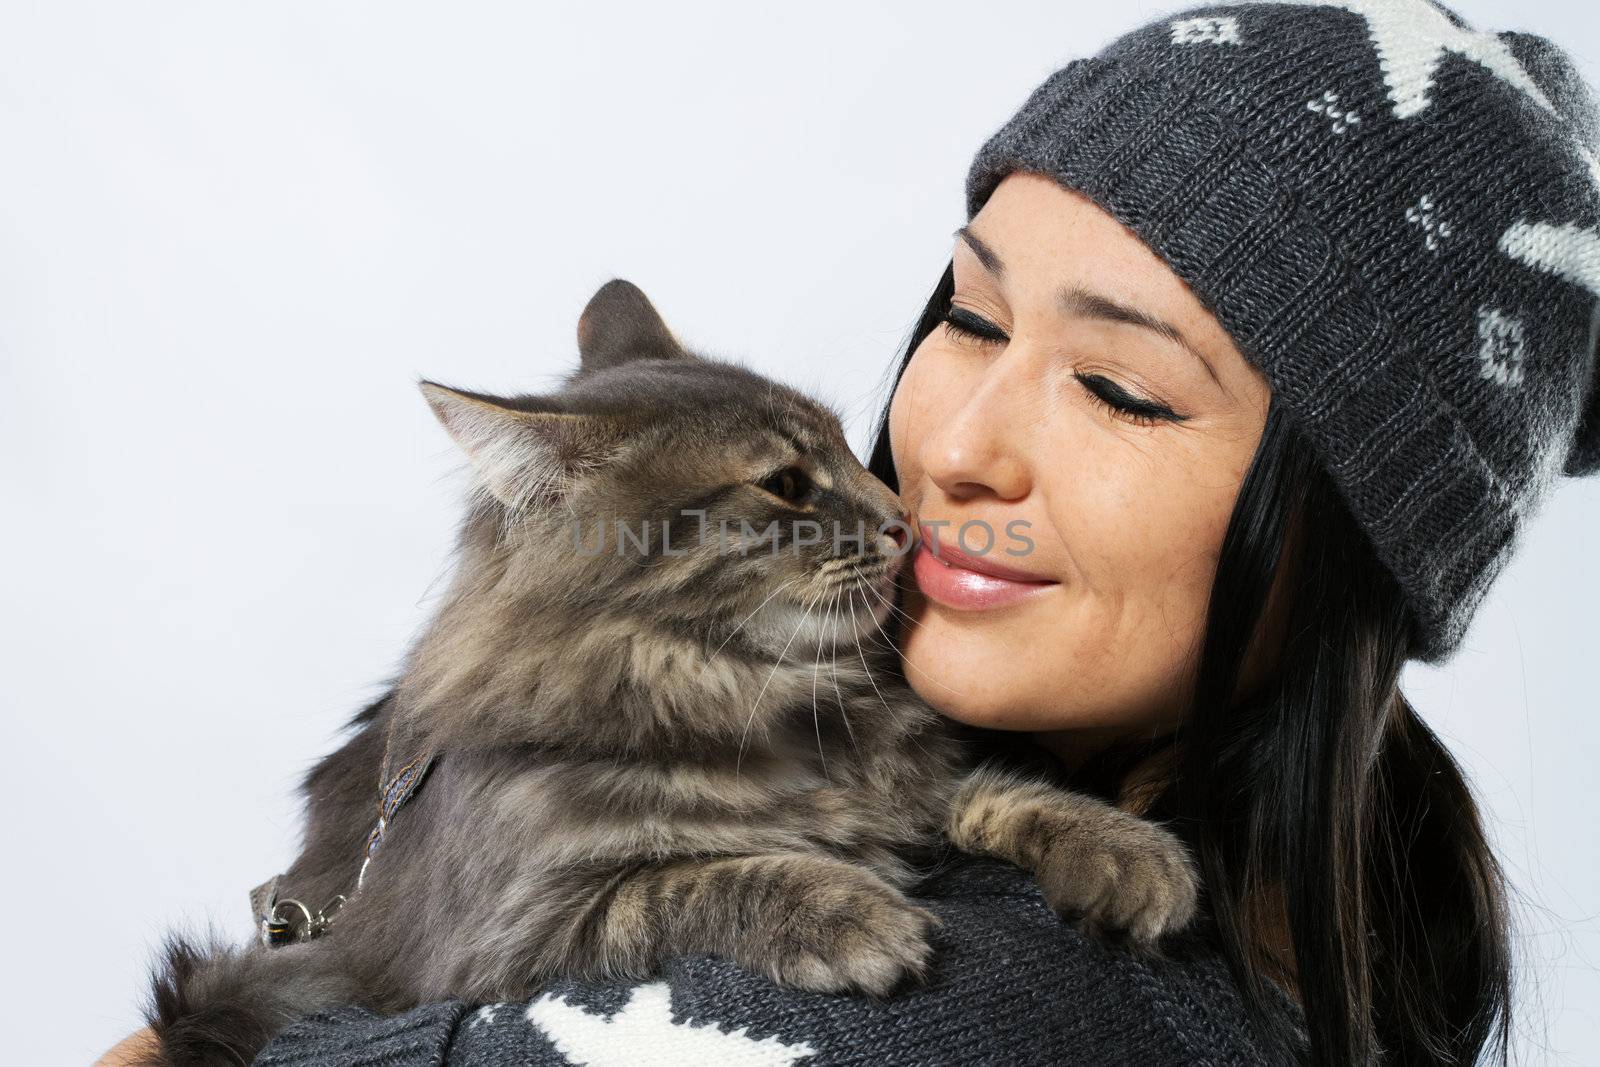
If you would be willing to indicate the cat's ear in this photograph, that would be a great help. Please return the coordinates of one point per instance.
(525, 458)
(620, 325)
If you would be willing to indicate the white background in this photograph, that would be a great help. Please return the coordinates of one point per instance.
(231, 238)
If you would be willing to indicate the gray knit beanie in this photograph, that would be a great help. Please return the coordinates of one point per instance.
(1396, 218)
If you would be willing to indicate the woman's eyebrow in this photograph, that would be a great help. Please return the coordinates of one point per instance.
(986, 255)
(1078, 301)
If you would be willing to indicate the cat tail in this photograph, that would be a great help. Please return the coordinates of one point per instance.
(217, 1006)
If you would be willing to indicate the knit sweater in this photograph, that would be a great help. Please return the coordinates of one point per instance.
(1012, 985)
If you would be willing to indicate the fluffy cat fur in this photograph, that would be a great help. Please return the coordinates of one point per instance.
(645, 754)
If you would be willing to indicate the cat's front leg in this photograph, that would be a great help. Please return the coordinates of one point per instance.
(807, 921)
(1094, 862)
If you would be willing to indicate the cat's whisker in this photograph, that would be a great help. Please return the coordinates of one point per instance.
(883, 645)
(890, 647)
(896, 609)
(710, 659)
(833, 672)
(904, 662)
(816, 716)
(862, 653)
(832, 631)
(745, 735)
(888, 642)
(869, 569)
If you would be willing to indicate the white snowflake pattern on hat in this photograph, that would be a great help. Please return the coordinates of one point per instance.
(1206, 29)
(1411, 37)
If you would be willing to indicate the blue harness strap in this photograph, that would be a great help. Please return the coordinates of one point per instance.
(396, 791)
(285, 920)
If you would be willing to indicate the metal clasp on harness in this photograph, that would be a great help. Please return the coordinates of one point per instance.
(286, 921)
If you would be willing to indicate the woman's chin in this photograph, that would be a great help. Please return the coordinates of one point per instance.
(993, 679)
(963, 681)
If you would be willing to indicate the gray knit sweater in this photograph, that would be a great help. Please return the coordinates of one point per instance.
(1013, 986)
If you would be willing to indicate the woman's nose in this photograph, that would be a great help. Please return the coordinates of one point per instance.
(974, 450)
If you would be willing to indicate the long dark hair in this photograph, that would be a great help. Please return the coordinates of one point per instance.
(1342, 851)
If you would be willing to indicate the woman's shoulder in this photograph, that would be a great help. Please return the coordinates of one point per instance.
(1012, 984)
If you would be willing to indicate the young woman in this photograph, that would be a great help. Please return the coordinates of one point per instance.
(1269, 326)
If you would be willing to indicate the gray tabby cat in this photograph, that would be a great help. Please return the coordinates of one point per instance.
(697, 748)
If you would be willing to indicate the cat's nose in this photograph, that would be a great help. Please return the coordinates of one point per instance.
(898, 536)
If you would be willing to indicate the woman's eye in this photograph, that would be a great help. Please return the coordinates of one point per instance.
(965, 325)
(976, 329)
(790, 484)
(1124, 404)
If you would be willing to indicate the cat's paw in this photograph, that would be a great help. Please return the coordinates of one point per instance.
(1128, 876)
(863, 937)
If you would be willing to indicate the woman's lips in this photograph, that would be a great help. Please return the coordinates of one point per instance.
(966, 582)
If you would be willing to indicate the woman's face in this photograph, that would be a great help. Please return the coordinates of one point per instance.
(1087, 412)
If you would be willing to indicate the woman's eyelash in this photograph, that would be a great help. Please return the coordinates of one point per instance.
(974, 328)
(1134, 409)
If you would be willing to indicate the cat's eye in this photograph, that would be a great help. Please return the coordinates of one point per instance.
(789, 484)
